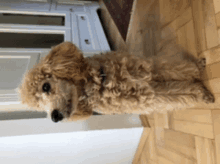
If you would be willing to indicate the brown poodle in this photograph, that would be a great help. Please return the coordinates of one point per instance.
(70, 87)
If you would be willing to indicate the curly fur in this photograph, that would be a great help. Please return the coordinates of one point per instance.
(132, 84)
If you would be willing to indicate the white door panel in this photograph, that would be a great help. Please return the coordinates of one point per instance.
(42, 5)
(13, 65)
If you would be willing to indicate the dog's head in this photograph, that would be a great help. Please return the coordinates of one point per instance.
(51, 85)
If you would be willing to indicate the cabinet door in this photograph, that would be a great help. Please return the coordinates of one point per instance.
(84, 34)
(74, 6)
(34, 39)
(13, 65)
(34, 19)
(39, 5)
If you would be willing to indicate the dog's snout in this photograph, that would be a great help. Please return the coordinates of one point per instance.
(56, 116)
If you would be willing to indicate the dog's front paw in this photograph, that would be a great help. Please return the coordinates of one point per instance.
(202, 64)
(208, 97)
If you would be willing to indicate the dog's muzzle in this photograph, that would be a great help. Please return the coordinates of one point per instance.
(56, 116)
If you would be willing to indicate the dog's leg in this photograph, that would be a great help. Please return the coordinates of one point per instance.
(177, 68)
(201, 64)
(207, 96)
(183, 71)
(181, 93)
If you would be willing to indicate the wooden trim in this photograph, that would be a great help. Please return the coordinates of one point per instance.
(141, 144)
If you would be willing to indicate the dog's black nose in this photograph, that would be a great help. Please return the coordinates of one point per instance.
(56, 116)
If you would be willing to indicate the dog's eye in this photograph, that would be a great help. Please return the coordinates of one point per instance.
(46, 87)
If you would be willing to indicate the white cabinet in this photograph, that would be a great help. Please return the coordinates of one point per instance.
(29, 28)
(87, 31)
(77, 21)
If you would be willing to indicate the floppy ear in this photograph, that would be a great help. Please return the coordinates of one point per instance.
(65, 61)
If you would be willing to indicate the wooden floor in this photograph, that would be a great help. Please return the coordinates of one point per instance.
(190, 136)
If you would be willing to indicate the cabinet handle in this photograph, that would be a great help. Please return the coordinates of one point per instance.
(87, 41)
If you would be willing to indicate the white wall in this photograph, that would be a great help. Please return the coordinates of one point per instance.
(86, 147)
(99, 140)
(45, 125)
